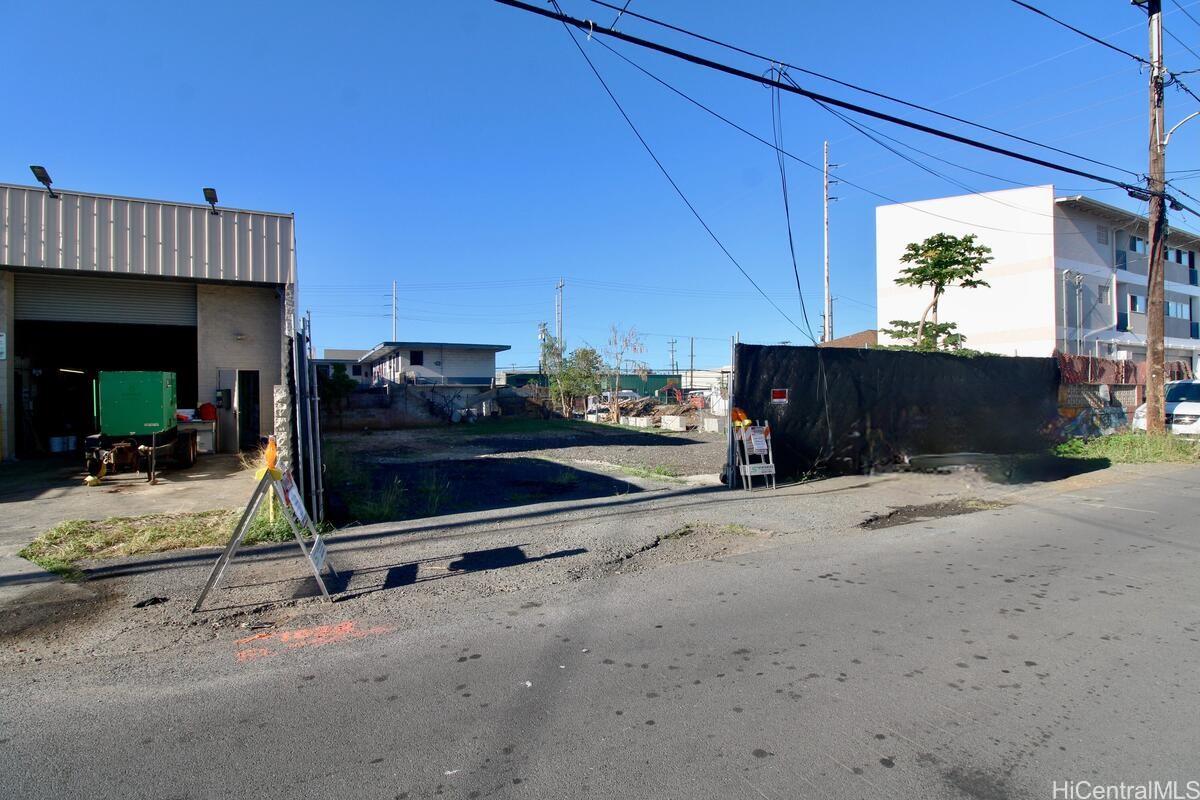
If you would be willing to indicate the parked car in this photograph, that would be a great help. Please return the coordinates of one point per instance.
(1182, 407)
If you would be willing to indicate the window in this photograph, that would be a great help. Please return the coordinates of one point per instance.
(416, 358)
(1179, 310)
(356, 370)
(1101, 234)
(1183, 392)
(1104, 294)
(1186, 257)
(1137, 304)
(1137, 245)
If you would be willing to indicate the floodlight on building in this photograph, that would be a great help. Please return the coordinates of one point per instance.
(210, 197)
(43, 177)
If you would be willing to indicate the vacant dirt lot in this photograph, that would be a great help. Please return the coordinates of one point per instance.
(395, 475)
(556, 440)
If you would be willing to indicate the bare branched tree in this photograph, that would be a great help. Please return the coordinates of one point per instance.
(617, 351)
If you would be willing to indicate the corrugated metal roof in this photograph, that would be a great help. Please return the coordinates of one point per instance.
(108, 234)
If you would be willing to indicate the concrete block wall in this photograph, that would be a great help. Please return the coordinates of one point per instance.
(240, 327)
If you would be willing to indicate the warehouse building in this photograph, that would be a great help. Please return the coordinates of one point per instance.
(94, 282)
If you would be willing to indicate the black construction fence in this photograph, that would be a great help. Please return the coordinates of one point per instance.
(850, 411)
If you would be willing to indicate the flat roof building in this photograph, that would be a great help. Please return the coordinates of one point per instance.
(92, 282)
(446, 363)
(1068, 273)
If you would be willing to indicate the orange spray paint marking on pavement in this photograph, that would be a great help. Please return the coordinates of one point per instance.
(263, 645)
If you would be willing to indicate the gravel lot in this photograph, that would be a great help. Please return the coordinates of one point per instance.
(681, 454)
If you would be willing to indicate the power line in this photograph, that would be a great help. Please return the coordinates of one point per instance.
(1173, 75)
(1186, 13)
(1182, 44)
(858, 88)
(863, 129)
(794, 89)
(777, 133)
(659, 163)
(797, 158)
(1082, 33)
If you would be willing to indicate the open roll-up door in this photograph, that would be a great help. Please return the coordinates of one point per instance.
(69, 298)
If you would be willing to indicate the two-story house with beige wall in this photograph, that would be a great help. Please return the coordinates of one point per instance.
(1068, 273)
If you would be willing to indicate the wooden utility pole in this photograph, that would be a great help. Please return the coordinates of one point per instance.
(393, 311)
(1156, 184)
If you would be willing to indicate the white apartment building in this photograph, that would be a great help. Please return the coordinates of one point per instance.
(1067, 273)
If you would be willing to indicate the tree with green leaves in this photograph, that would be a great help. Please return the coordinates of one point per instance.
(940, 262)
(581, 374)
(552, 363)
(934, 336)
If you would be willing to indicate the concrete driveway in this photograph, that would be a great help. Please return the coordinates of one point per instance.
(37, 495)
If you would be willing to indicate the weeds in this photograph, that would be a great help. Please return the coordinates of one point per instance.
(658, 471)
(1133, 448)
(59, 549)
(680, 532)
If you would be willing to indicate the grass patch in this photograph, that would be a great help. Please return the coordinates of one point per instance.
(736, 530)
(659, 471)
(60, 549)
(1134, 448)
(680, 532)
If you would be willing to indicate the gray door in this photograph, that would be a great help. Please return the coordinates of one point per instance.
(227, 429)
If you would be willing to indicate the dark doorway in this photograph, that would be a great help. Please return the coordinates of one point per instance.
(247, 409)
(57, 364)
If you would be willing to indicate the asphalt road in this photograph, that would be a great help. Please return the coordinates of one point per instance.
(985, 655)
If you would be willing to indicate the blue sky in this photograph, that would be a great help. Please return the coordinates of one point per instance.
(464, 149)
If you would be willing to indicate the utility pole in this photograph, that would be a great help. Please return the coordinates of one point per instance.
(558, 312)
(393, 311)
(692, 364)
(827, 319)
(1156, 184)
(671, 344)
(543, 367)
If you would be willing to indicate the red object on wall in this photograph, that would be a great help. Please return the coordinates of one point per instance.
(206, 412)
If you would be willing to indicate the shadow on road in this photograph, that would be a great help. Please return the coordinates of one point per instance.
(409, 573)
